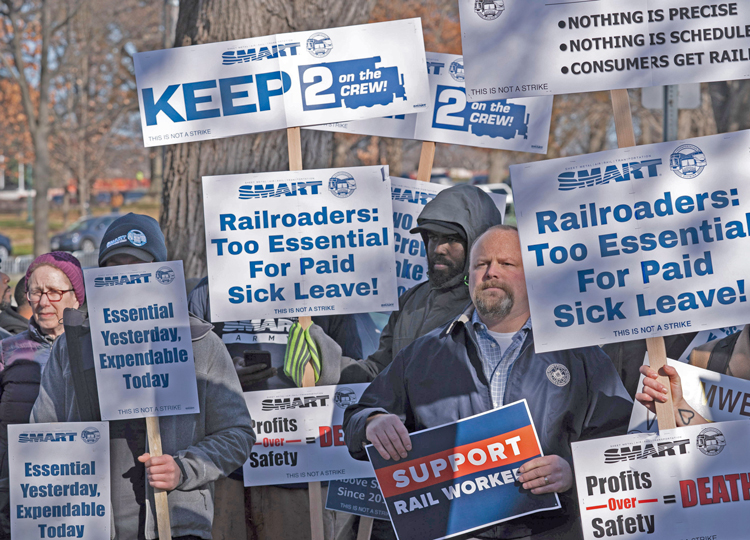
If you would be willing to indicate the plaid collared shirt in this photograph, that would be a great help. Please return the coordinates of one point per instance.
(497, 363)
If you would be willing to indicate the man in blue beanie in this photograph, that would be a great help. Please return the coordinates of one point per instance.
(198, 448)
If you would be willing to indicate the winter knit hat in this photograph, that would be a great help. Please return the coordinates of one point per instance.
(67, 264)
(136, 235)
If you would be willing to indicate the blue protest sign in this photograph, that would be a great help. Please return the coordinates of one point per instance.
(285, 80)
(461, 477)
(358, 496)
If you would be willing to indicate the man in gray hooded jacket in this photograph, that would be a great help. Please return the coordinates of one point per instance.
(449, 225)
(198, 448)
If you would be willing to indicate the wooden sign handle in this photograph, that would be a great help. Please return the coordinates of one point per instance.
(365, 527)
(657, 350)
(294, 144)
(160, 496)
(426, 159)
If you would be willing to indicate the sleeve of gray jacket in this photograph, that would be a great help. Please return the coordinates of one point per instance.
(386, 394)
(50, 404)
(609, 404)
(339, 369)
(229, 435)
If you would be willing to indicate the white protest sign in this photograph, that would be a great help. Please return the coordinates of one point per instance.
(570, 46)
(690, 483)
(294, 243)
(521, 125)
(273, 82)
(718, 398)
(409, 199)
(140, 333)
(636, 242)
(299, 436)
(707, 336)
(59, 480)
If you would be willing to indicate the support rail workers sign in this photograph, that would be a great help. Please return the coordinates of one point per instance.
(569, 46)
(261, 84)
(520, 125)
(299, 436)
(637, 242)
(140, 333)
(59, 480)
(461, 477)
(294, 243)
(693, 483)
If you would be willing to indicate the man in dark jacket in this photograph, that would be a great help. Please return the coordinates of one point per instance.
(485, 359)
(449, 225)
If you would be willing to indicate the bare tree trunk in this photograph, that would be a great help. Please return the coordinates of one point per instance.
(498, 167)
(184, 165)
(730, 101)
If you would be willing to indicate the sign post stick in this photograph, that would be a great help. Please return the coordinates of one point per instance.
(294, 144)
(657, 350)
(425, 161)
(365, 528)
(160, 496)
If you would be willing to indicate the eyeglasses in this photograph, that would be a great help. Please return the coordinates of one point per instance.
(52, 295)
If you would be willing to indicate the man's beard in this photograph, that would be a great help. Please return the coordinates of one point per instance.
(491, 306)
(4, 304)
(438, 278)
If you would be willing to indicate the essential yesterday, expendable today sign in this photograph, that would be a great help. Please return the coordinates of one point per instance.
(519, 125)
(140, 333)
(260, 84)
(300, 436)
(300, 243)
(570, 46)
(59, 480)
(689, 483)
(637, 242)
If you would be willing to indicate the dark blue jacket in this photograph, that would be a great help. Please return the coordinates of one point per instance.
(439, 379)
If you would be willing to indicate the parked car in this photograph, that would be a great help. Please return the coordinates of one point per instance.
(83, 235)
(480, 181)
(6, 248)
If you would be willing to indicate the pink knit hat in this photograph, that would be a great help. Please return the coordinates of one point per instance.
(67, 264)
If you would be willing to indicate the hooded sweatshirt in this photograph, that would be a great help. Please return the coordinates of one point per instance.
(423, 307)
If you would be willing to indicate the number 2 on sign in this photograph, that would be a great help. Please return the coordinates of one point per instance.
(314, 93)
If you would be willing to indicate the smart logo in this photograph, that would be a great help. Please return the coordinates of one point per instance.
(489, 10)
(123, 279)
(137, 238)
(711, 441)
(687, 161)
(47, 437)
(344, 397)
(319, 45)
(457, 70)
(90, 435)
(261, 191)
(342, 185)
(252, 55)
(618, 173)
(165, 275)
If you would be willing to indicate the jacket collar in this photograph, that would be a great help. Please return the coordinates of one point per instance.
(462, 319)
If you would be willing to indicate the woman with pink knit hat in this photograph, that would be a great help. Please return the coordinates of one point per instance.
(54, 282)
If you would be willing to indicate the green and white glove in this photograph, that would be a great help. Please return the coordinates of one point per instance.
(301, 349)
